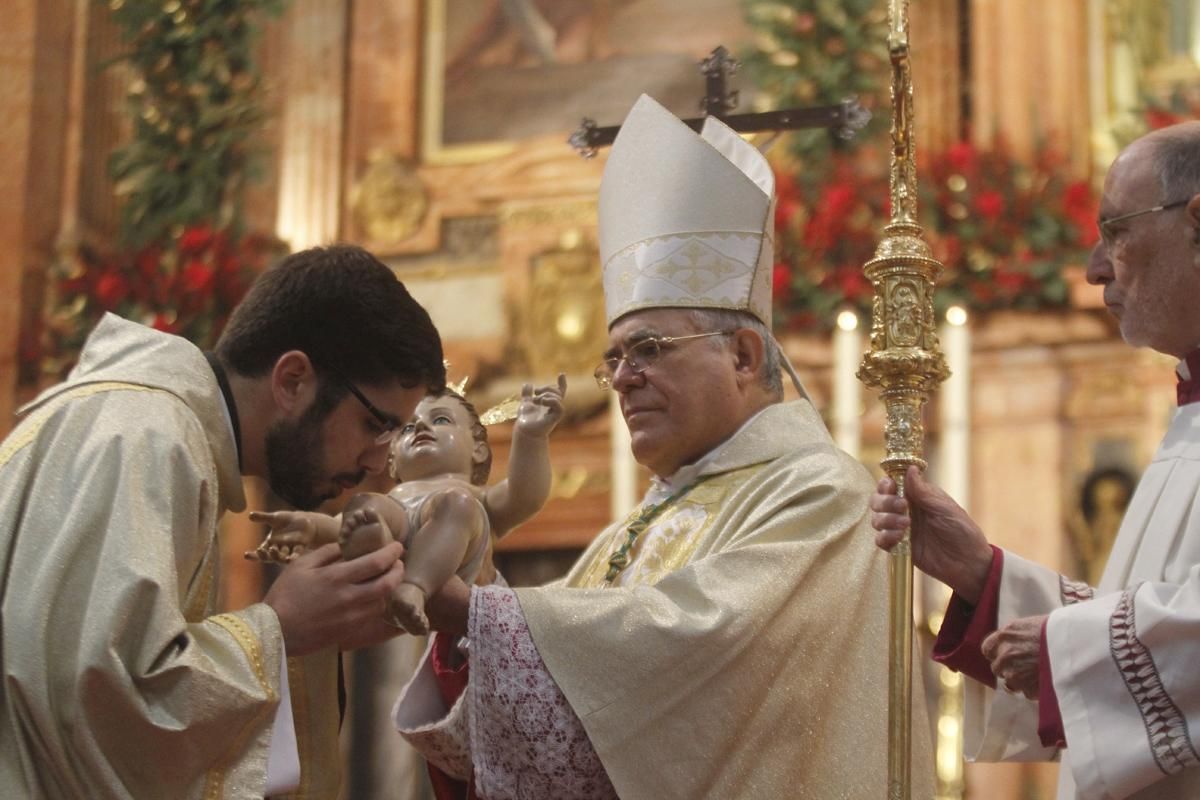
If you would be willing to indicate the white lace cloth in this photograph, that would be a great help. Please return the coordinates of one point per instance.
(512, 727)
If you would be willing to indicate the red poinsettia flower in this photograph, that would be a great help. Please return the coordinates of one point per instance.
(1081, 207)
(785, 186)
(111, 289)
(853, 283)
(148, 263)
(962, 156)
(829, 218)
(785, 210)
(989, 204)
(781, 278)
(195, 238)
(198, 277)
(838, 199)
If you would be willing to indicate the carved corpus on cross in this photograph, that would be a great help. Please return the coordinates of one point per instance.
(845, 119)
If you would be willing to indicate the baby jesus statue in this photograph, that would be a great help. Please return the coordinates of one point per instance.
(440, 508)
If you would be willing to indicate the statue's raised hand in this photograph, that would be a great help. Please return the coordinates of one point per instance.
(540, 409)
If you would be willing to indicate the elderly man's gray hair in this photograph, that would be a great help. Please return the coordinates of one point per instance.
(719, 319)
(1177, 161)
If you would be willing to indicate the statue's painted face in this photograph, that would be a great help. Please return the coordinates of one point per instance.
(439, 439)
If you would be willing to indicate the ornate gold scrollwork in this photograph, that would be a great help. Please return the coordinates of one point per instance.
(562, 325)
(389, 201)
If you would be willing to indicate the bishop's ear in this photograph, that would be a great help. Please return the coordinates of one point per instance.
(1193, 217)
(749, 350)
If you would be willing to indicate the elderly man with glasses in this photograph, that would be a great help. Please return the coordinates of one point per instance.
(1103, 678)
(728, 638)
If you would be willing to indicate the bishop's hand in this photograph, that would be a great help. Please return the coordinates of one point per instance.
(946, 542)
(1014, 653)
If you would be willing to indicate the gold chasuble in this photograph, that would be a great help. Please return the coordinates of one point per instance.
(742, 652)
(119, 682)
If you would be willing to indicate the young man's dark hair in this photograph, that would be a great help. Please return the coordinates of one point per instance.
(346, 311)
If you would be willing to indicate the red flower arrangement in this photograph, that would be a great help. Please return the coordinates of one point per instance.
(1003, 229)
(181, 261)
(187, 286)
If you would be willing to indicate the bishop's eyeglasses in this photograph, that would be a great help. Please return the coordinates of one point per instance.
(642, 354)
(1109, 234)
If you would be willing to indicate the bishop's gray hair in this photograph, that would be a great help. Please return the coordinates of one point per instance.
(722, 319)
(1177, 161)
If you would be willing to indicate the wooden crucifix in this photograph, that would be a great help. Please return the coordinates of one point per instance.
(845, 118)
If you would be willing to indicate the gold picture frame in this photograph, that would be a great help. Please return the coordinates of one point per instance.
(433, 97)
(495, 73)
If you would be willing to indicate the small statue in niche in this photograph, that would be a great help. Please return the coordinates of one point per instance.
(1094, 523)
(440, 509)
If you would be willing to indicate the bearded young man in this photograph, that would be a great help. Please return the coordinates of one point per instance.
(1103, 678)
(728, 639)
(119, 681)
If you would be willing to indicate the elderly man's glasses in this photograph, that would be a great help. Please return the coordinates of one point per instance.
(642, 354)
(1107, 231)
(387, 423)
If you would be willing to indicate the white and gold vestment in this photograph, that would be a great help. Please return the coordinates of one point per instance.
(741, 654)
(119, 682)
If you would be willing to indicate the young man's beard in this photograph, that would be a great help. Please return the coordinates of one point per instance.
(295, 457)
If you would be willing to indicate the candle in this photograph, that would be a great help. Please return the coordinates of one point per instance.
(954, 462)
(847, 398)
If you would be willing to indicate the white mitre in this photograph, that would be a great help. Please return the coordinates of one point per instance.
(686, 219)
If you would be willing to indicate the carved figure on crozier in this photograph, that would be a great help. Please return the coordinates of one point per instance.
(904, 322)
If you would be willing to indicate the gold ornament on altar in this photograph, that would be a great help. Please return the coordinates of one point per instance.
(389, 201)
(905, 362)
(561, 323)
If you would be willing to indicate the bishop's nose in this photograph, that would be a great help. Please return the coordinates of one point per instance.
(1099, 269)
(626, 377)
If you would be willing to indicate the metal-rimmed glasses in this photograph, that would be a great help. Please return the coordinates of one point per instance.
(1104, 223)
(386, 421)
(642, 354)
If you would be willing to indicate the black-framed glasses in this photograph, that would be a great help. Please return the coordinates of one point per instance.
(642, 354)
(389, 423)
(1104, 223)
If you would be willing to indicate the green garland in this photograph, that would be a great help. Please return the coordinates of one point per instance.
(195, 111)
(1004, 229)
(821, 52)
(183, 259)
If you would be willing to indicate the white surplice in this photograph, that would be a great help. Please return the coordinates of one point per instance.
(1125, 657)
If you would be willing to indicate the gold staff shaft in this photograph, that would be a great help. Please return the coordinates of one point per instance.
(905, 362)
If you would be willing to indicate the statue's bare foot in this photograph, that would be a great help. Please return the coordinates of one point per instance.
(406, 609)
(363, 532)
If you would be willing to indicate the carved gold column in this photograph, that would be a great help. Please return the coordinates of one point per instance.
(906, 363)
